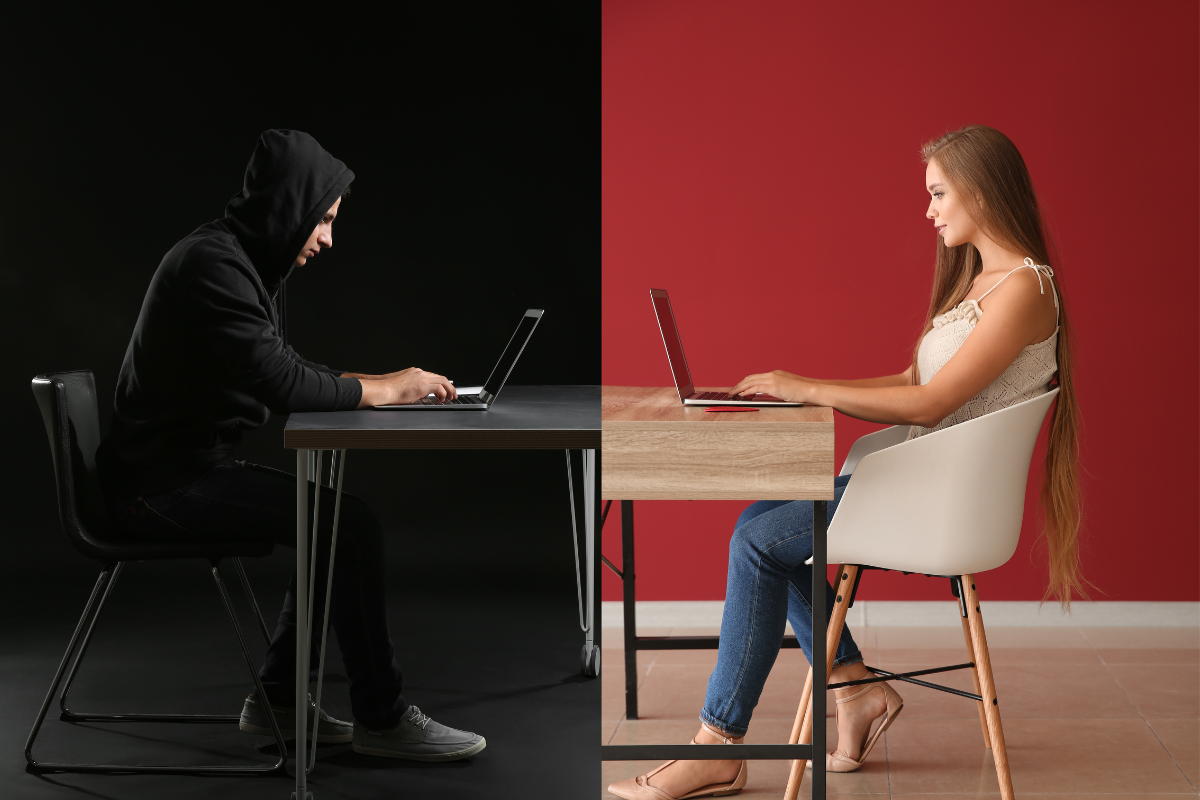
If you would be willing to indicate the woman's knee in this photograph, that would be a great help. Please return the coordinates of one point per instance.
(742, 544)
(748, 513)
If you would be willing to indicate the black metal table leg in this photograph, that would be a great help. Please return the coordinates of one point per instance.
(598, 522)
(628, 599)
(818, 646)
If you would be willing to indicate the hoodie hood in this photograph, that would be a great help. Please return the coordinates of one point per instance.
(291, 181)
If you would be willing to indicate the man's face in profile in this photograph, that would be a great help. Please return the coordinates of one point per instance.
(322, 236)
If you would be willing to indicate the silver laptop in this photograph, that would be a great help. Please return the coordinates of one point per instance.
(679, 368)
(495, 382)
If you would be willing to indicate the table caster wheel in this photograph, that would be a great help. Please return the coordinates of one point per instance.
(589, 661)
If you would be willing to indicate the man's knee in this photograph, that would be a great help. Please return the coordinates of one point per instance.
(358, 518)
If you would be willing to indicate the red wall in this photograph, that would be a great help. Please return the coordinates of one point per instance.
(760, 161)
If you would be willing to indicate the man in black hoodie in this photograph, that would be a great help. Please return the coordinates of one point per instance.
(209, 359)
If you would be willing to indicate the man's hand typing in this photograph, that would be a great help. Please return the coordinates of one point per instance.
(402, 387)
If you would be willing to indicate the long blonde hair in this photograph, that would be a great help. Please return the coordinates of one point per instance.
(981, 162)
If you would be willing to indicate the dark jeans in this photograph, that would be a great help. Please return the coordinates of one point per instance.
(768, 584)
(246, 501)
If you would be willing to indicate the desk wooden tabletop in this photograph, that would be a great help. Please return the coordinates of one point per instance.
(655, 448)
(522, 417)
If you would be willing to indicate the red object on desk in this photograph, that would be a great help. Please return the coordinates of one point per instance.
(711, 409)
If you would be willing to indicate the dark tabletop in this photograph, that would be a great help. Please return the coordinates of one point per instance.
(522, 417)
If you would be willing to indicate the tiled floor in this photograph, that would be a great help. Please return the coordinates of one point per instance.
(1088, 712)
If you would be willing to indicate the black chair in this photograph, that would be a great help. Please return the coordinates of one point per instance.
(68, 404)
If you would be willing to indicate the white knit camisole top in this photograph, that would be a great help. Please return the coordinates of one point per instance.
(1027, 377)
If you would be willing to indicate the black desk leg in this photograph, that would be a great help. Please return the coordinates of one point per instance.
(628, 598)
(597, 570)
(820, 623)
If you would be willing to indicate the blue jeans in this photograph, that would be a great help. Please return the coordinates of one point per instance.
(237, 500)
(768, 584)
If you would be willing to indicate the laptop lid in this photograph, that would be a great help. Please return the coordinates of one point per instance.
(670, 335)
(512, 351)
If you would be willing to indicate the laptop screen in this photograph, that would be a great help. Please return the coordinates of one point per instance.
(511, 352)
(670, 334)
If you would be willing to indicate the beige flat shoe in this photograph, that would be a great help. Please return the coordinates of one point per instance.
(639, 788)
(839, 761)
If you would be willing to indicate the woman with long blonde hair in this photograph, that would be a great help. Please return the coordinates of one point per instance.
(995, 334)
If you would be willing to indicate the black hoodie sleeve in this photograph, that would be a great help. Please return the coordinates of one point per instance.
(230, 323)
(311, 364)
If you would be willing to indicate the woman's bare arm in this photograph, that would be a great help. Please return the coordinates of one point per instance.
(902, 379)
(1015, 318)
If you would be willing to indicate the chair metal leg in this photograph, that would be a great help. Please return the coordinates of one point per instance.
(65, 713)
(258, 687)
(101, 581)
(991, 704)
(105, 581)
(262, 623)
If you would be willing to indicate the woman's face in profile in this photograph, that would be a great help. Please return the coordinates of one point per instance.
(946, 210)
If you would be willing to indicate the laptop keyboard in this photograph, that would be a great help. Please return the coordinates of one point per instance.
(754, 398)
(461, 400)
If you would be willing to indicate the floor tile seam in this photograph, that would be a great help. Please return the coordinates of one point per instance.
(653, 661)
(1091, 646)
(613, 735)
(1116, 680)
(1153, 732)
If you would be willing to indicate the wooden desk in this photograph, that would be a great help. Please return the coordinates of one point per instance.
(655, 448)
(523, 417)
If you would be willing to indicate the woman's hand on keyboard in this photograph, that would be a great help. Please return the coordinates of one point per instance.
(776, 383)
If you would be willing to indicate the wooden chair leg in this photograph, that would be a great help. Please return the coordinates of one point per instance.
(991, 704)
(800, 731)
(966, 626)
(802, 709)
(842, 585)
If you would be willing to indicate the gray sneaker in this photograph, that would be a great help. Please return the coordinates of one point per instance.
(418, 738)
(254, 720)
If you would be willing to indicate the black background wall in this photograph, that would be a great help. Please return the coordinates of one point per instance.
(473, 130)
(474, 135)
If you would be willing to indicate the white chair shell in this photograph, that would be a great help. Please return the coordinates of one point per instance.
(872, 442)
(947, 503)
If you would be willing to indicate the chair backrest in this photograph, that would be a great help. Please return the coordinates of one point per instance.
(67, 401)
(947, 503)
